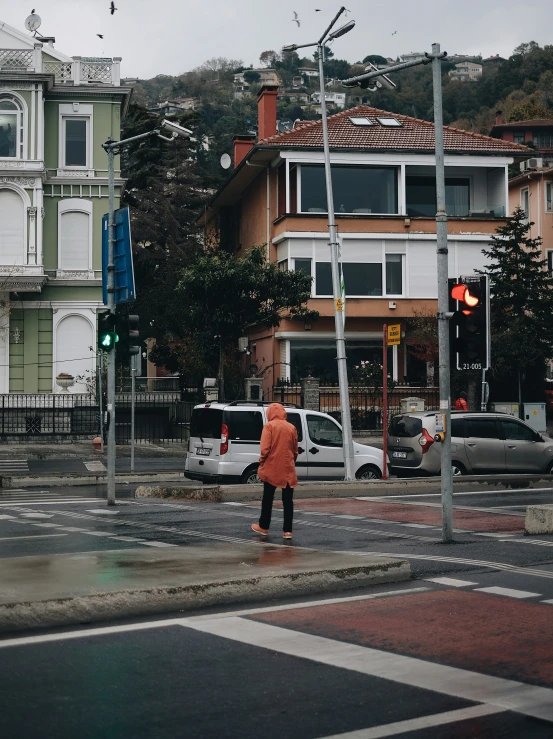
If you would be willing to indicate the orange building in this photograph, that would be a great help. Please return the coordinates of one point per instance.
(383, 168)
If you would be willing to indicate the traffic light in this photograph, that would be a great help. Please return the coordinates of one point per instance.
(128, 332)
(107, 333)
(469, 326)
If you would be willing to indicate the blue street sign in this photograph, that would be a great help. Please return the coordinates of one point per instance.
(122, 258)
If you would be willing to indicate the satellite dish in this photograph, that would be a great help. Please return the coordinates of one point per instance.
(32, 22)
(225, 161)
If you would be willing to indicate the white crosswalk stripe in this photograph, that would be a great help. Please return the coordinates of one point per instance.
(13, 465)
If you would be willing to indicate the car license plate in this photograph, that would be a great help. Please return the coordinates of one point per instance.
(203, 452)
(399, 455)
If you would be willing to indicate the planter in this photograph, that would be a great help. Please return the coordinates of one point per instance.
(65, 382)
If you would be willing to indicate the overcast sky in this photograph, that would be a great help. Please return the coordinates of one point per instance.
(173, 36)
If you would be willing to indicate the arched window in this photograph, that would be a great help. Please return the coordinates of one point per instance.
(11, 127)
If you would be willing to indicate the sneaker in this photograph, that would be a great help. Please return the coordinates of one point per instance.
(287, 535)
(258, 530)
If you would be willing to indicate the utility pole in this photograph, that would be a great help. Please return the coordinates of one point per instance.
(112, 148)
(381, 80)
(333, 244)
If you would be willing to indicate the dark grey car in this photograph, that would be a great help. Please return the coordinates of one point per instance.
(481, 443)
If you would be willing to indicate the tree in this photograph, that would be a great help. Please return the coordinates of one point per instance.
(227, 296)
(521, 308)
(268, 58)
(375, 59)
(251, 76)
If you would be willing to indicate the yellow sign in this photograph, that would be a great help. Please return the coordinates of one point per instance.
(339, 304)
(394, 334)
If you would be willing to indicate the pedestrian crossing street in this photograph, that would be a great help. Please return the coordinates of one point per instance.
(13, 465)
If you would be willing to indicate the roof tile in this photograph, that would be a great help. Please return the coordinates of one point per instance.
(413, 135)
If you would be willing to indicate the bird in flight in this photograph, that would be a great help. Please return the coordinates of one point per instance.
(394, 33)
(112, 7)
(295, 19)
(99, 35)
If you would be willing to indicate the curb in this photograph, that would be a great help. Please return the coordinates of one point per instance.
(143, 602)
(68, 479)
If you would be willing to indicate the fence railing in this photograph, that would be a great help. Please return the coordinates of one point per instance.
(16, 60)
(366, 406)
(159, 417)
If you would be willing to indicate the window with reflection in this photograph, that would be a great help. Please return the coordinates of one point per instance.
(11, 128)
(360, 278)
(421, 196)
(357, 190)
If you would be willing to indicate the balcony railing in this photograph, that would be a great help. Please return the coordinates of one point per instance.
(79, 71)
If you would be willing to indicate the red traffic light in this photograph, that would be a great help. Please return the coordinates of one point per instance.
(465, 294)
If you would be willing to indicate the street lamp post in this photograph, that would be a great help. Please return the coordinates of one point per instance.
(334, 249)
(380, 79)
(112, 148)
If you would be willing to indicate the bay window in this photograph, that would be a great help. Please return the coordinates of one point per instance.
(356, 189)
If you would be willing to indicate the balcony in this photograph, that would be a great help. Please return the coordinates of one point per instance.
(79, 71)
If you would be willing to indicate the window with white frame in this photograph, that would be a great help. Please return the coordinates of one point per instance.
(525, 201)
(361, 279)
(75, 235)
(394, 274)
(549, 197)
(11, 127)
(359, 190)
(75, 143)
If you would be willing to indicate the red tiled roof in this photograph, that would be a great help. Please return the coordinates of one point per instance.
(413, 135)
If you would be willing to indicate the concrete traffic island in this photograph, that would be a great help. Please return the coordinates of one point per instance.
(64, 589)
(539, 519)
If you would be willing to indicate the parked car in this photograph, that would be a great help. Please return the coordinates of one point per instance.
(480, 443)
(224, 444)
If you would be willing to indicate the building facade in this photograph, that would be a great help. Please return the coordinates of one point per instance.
(466, 72)
(384, 196)
(55, 113)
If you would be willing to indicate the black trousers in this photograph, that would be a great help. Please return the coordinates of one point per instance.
(267, 506)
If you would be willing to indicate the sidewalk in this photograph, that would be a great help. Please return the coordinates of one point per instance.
(56, 590)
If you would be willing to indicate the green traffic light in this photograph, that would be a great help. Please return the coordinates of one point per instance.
(107, 340)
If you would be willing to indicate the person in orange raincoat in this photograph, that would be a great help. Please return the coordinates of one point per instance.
(461, 402)
(277, 468)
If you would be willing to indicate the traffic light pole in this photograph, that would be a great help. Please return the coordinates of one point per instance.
(111, 308)
(443, 298)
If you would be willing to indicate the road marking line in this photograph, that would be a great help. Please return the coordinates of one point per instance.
(508, 592)
(419, 525)
(380, 498)
(95, 466)
(35, 536)
(416, 724)
(548, 574)
(102, 512)
(502, 535)
(58, 501)
(547, 601)
(158, 544)
(231, 503)
(508, 694)
(450, 581)
(35, 515)
(344, 515)
(6, 517)
(126, 538)
(97, 533)
(48, 525)
(104, 630)
(537, 542)
(71, 528)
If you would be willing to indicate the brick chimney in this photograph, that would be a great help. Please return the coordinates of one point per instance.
(242, 145)
(498, 117)
(267, 111)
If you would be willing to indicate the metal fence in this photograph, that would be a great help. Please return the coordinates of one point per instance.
(365, 403)
(162, 417)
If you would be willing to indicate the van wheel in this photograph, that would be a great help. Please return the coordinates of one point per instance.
(250, 477)
(368, 472)
(458, 469)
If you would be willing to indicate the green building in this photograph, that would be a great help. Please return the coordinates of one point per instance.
(55, 113)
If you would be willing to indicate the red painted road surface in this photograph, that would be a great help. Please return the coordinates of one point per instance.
(473, 520)
(484, 633)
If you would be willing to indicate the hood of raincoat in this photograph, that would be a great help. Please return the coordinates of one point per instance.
(276, 412)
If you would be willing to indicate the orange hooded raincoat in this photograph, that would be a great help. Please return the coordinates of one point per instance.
(279, 449)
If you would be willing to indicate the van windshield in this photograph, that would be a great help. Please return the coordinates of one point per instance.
(405, 426)
(206, 423)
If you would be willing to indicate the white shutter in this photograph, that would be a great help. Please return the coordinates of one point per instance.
(12, 228)
(75, 241)
(422, 272)
(284, 368)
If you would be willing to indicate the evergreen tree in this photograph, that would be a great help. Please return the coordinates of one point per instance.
(521, 308)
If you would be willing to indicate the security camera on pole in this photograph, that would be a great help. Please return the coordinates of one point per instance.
(363, 80)
(112, 148)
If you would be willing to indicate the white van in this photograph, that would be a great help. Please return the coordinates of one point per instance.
(224, 444)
